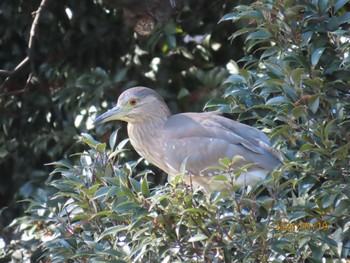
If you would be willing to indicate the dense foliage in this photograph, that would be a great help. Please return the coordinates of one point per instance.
(292, 81)
(82, 57)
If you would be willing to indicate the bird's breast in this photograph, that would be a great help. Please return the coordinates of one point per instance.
(148, 142)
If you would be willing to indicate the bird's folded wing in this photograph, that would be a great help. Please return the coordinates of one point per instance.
(205, 138)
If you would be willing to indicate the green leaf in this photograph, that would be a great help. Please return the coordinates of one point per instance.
(316, 55)
(124, 191)
(219, 178)
(3, 151)
(102, 192)
(183, 93)
(327, 200)
(323, 6)
(122, 176)
(314, 102)
(113, 191)
(177, 179)
(259, 35)
(276, 69)
(269, 52)
(113, 230)
(229, 16)
(71, 176)
(171, 41)
(62, 163)
(236, 159)
(144, 187)
(198, 237)
(113, 139)
(339, 4)
(241, 32)
(341, 209)
(306, 147)
(326, 240)
(341, 152)
(127, 207)
(89, 140)
(221, 104)
(277, 100)
(122, 144)
(235, 79)
(328, 128)
(251, 14)
(225, 162)
(214, 167)
(297, 111)
(101, 147)
(296, 75)
(135, 185)
(344, 18)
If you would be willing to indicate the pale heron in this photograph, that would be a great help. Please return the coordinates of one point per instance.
(192, 143)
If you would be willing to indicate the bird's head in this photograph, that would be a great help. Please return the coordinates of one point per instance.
(136, 105)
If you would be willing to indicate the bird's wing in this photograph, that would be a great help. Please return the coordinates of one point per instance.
(202, 139)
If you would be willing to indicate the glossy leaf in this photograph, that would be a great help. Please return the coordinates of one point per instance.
(316, 55)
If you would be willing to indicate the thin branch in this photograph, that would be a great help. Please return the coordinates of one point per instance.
(5, 72)
(15, 92)
(18, 68)
(29, 58)
(21, 64)
(34, 30)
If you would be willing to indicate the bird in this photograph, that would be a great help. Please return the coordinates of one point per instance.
(192, 143)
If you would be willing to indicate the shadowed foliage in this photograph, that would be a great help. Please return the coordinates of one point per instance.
(282, 66)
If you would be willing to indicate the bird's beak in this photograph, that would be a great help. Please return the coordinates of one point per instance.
(112, 114)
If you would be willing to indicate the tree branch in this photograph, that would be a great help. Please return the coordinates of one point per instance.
(29, 58)
(33, 32)
(5, 72)
(15, 92)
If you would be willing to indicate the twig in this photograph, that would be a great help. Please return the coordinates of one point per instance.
(33, 32)
(15, 92)
(18, 68)
(29, 58)
(5, 72)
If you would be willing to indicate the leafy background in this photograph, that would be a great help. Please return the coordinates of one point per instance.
(282, 66)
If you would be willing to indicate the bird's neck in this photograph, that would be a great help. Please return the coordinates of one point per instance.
(147, 129)
(147, 137)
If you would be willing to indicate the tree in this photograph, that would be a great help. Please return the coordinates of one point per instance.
(290, 79)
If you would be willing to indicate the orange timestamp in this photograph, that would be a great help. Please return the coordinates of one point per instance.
(302, 226)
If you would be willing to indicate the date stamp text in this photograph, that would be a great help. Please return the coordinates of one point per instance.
(301, 226)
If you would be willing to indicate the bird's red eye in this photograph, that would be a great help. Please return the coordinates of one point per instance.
(133, 102)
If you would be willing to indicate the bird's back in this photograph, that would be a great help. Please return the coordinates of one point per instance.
(203, 138)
